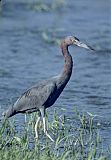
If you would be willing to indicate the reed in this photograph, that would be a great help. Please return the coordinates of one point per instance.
(72, 142)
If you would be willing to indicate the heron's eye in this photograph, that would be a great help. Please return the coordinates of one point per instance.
(72, 40)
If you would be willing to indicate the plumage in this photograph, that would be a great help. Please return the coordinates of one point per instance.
(44, 94)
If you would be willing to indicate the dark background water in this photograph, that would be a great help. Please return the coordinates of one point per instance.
(29, 53)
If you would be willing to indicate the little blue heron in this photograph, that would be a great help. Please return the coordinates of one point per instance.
(44, 94)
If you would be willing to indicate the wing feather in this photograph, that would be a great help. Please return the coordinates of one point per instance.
(35, 97)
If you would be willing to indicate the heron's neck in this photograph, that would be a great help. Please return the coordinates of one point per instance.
(67, 71)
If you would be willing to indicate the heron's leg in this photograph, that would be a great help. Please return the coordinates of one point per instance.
(42, 110)
(25, 118)
(36, 126)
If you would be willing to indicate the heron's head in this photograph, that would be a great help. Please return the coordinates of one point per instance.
(70, 40)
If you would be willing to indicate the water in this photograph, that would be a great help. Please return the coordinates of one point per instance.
(25, 57)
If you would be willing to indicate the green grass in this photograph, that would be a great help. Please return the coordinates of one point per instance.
(72, 142)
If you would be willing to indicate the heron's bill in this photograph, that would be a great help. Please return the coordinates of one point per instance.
(80, 44)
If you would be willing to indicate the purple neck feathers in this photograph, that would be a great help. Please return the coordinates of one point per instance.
(68, 61)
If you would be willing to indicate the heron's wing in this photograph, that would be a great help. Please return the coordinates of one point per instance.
(35, 97)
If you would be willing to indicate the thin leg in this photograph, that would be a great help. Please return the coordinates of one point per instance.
(25, 118)
(42, 110)
(36, 127)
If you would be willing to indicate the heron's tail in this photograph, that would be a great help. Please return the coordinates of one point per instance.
(8, 113)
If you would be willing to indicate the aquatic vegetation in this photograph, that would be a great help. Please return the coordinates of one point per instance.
(52, 35)
(0, 6)
(71, 142)
(46, 37)
(46, 7)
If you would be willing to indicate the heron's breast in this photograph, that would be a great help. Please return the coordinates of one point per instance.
(51, 100)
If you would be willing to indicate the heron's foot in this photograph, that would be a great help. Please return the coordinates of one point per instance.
(47, 134)
(42, 110)
(36, 138)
